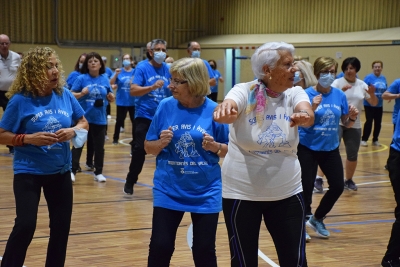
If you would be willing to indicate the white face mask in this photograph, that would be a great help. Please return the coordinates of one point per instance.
(80, 65)
(196, 54)
(160, 56)
(297, 77)
(326, 79)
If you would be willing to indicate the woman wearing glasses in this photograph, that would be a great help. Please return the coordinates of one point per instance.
(188, 146)
(261, 176)
(319, 144)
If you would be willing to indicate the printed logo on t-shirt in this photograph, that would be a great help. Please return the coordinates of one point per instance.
(380, 88)
(328, 118)
(185, 147)
(52, 126)
(273, 135)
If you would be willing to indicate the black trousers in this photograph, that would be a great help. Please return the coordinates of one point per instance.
(331, 164)
(121, 115)
(372, 114)
(213, 96)
(57, 189)
(284, 220)
(393, 163)
(163, 235)
(138, 153)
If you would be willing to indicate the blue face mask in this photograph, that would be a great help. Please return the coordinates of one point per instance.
(159, 57)
(126, 63)
(80, 65)
(169, 64)
(297, 77)
(326, 79)
(196, 54)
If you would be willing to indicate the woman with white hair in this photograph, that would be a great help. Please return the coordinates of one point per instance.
(261, 175)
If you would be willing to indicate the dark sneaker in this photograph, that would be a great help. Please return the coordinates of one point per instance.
(319, 185)
(392, 263)
(318, 226)
(386, 167)
(128, 189)
(79, 169)
(350, 185)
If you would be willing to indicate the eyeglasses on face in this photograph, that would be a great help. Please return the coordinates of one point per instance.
(176, 82)
(328, 72)
(159, 50)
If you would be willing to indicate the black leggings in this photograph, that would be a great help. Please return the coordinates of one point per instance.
(163, 235)
(331, 165)
(57, 189)
(284, 220)
(372, 114)
(121, 115)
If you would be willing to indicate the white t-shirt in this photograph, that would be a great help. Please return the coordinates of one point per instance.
(355, 96)
(262, 164)
(8, 69)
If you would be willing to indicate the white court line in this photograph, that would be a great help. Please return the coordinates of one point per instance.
(268, 260)
(2, 258)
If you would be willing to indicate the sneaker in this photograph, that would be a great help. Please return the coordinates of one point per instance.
(376, 143)
(89, 167)
(364, 143)
(121, 130)
(72, 177)
(79, 169)
(350, 185)
(108, 116)
(106, 138)
(319, 185)
(308, 237)
(100, 178)
(392, 263)
(128, 189)
(318, 226)
(115, 142)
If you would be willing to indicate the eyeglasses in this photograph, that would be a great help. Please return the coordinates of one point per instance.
(159, 49)
(328, 72)
(176, 82)
(4, 44)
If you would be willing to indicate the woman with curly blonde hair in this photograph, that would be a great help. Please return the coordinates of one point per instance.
(37, 122)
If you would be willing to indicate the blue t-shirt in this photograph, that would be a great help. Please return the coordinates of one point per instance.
(98, 88)
(146, 75)
(394, 88)
(108, 72)
(27, 115)
(323, 135)
(217, 75)
(124, 81)
(187, 177)
(380, 87)
(396, 135)
(71, 78)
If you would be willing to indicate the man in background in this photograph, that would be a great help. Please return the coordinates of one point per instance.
(9, 63)
(194, 50)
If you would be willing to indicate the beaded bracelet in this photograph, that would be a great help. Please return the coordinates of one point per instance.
(18, 140)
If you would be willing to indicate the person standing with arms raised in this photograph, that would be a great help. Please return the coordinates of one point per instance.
(150, 86)
(9, 63)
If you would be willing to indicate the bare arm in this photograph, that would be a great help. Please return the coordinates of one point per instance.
(210, 144)
(38, 139)
(212, 82)
(137, 90)
(155, 147)
(65, 134)
(80, 94)
(303, 115)
(373, 100)
(389, 96)
(114, 78)
(226, 112)
(349, 119)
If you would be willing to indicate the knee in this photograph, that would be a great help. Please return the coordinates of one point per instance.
(161, 247)
(26, 226)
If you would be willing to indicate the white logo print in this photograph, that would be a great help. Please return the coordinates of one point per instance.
(52, 125)
(95, 94)
(328, 118)
(273, 135)
(186, 147)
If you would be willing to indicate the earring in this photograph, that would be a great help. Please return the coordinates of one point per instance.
(270, 77)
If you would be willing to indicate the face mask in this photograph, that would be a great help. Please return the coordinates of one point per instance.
(160, 56)
(297, 77)
(80, 65)
(326, 79)
(196, 54)
(213, 67)
(169, 64)
(126, 63)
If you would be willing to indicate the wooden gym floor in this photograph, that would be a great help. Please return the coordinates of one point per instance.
(112, 229)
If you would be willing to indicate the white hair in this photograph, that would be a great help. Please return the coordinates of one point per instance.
(267, 54)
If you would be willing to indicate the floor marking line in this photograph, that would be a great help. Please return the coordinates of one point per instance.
(266, 259)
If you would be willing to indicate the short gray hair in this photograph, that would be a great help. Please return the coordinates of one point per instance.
(156, 42)
(268, 54)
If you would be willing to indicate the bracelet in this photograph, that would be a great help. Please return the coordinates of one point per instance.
(219, 149)
(18, 140)
(303, 111)
(350, 119)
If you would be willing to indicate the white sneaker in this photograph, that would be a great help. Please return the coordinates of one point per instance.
(121, 130)
(108, 116)
(376, 143)
(106, 138)
(72, 177)
(364, 143)
(100, 178)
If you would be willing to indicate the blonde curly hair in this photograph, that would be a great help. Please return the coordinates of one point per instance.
(32, 77)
